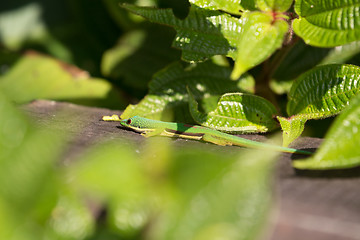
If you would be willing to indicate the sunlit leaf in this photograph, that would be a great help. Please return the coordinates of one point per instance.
(292, 128)
(319, 93)
(302, 57)
(327, 23)
(261, 34)
(202, 34)
(36, 76)
(323, 91)
(233, 6)
(168, 97)
(340, 149)
(274, 5)
(123, 18)
(237, 112)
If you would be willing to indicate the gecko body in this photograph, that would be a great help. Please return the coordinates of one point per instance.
(149, 127)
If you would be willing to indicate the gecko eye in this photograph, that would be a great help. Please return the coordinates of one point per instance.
(128, 121)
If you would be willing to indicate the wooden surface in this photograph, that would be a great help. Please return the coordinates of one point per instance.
(320, 205)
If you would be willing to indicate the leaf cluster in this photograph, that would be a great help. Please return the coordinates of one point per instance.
(298, 48)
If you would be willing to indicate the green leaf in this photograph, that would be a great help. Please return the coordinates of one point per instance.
(88, 174)
(342, 54)
(319, 93)
(234, 7)
(292, 128)
(238, 113)
(327, 23)
(261, 34)
(39, 77)
(202, 34)
(19, 25)
(72, 218)
(340, 149)
(206, 207)
(302, 57)
(26, 158)
(274, 5)
(323, 91)
(27, 176)
(128, 200)
(147, 48)
(168, 97)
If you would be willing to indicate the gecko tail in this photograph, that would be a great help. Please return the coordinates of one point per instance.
(297, 151)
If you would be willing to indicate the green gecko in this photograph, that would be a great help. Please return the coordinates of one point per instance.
(148, 128)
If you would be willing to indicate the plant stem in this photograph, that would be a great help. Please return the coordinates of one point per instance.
(270, 66)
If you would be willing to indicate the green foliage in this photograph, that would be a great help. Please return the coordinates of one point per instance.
(209, 31)
(241, 57)
(340, 148)
(202, 34)
(27, 177)
(319, 93)
(323, 91)
(292, 128)
(260, 36)
(276, 5)
(327, 24)
(102, 54)
(29, 79)
(168, 97)
(209, 213)
(232, 113)
(234, 7)
(250, 40)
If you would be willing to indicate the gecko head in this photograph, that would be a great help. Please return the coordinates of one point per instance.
(133, 122)
(127, 122)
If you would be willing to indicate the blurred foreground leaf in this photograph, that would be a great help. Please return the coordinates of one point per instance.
(71, 217)
(27, 177)
(187, 194)
(229, 199)
(110, 175)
